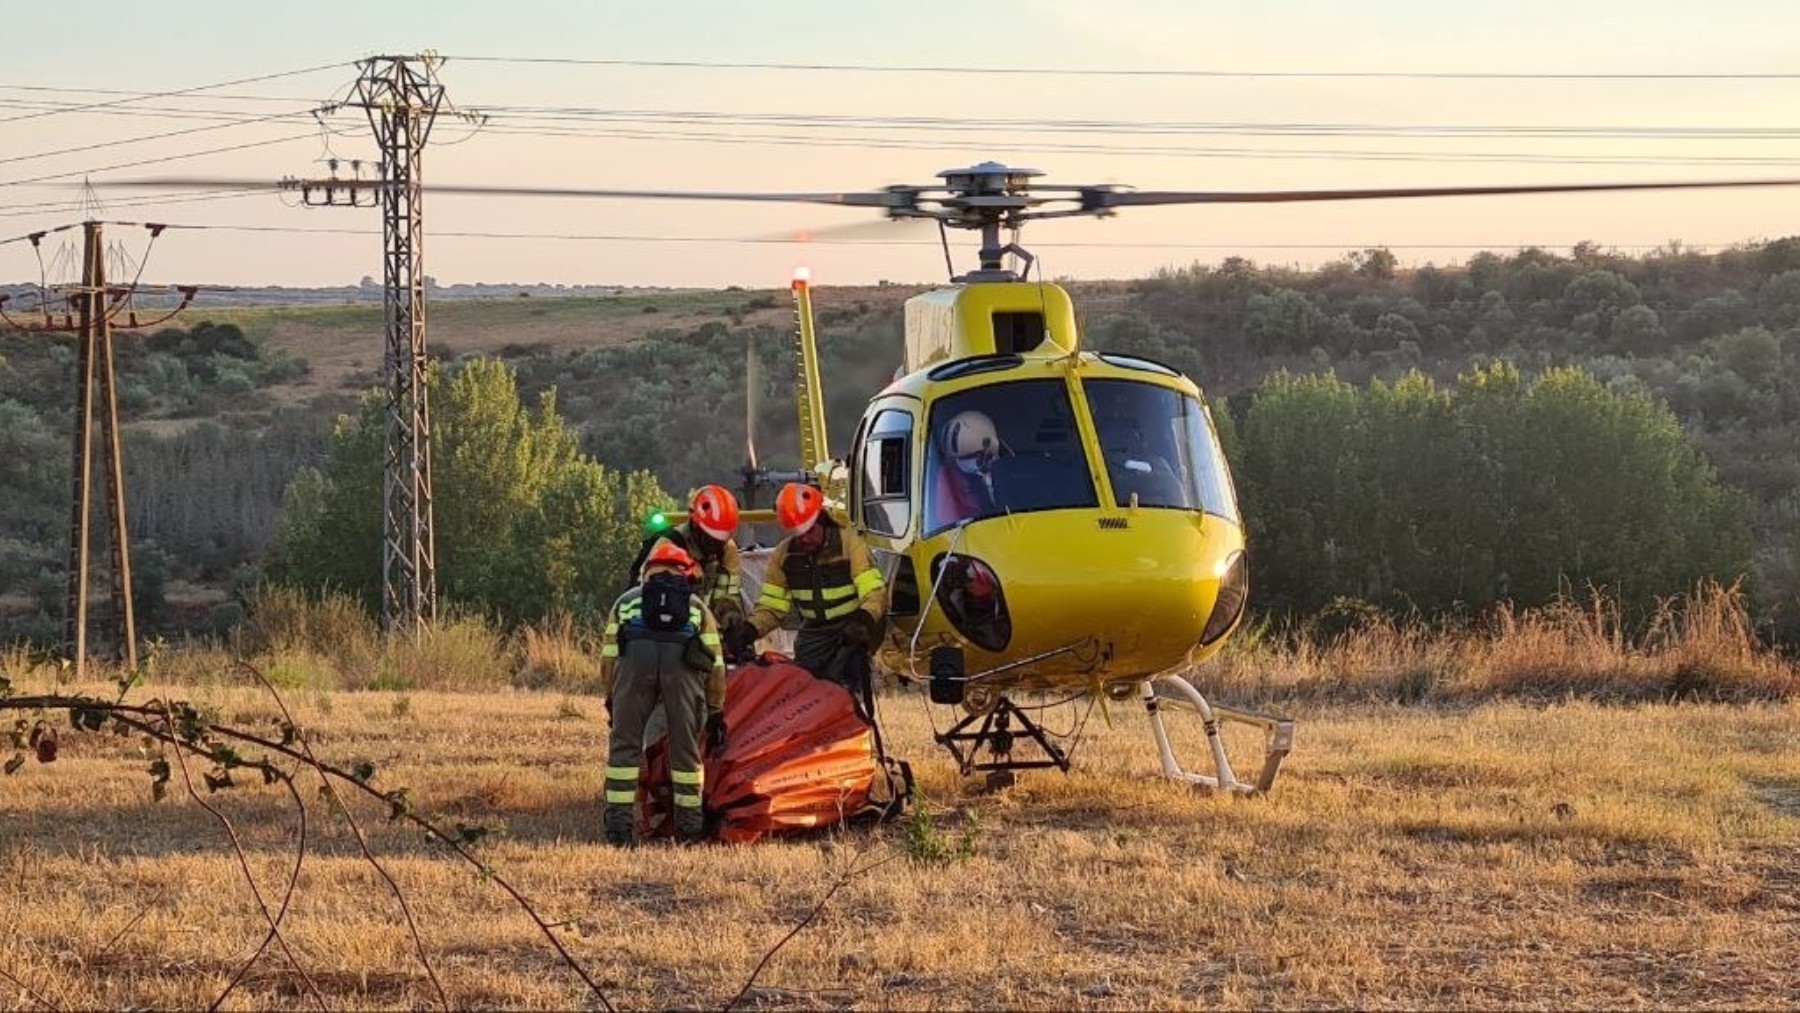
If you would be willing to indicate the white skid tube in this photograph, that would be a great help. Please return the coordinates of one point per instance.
(1280, 737)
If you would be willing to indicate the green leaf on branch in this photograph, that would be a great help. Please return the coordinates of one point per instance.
(13, 765)
(6, 687)
(362, 771)
(398, 804)
(218, 780)
(19, 740)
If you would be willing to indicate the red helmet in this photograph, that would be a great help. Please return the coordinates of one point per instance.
(669, 554)
(798, 507)
(714, 510)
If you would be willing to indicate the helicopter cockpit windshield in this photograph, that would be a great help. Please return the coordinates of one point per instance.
(1006, 448)
(1160, 447)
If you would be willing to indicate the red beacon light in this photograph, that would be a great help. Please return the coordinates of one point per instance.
(802, 277)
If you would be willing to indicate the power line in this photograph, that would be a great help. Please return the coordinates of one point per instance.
(156, 161)
(145, 137)
(1068, 147)
(537, 113)
(178, 91)
(66, 207)
(1116, 126)
(140, 94)
(1137, 72)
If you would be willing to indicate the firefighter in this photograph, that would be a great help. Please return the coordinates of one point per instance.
(661, 646)
(709, 536)
(824, 572)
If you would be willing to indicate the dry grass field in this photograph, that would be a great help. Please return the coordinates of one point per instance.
(1547, 855)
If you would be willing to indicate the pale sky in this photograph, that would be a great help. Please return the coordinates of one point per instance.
(178, 44)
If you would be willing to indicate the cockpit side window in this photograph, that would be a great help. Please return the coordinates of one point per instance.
(1160, 448)
(1005, 448)
(884, 471)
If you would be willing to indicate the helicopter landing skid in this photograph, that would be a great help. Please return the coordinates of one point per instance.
(1179, 693)
(998, 735)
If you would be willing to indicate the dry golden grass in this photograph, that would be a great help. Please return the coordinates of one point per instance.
(1570, 854)
(1699, 646)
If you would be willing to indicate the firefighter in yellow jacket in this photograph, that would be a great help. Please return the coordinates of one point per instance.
(709, 536)
(661, 646)
(825, 573)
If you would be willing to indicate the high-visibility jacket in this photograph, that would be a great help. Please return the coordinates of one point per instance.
(705, 628)
(824, 587)
(721, 568)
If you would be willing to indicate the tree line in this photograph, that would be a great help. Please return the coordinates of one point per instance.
(1673, 361)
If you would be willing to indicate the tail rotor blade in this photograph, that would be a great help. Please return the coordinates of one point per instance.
(752, 385)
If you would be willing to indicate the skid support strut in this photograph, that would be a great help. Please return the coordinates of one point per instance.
(1178, 692)
(998, 735)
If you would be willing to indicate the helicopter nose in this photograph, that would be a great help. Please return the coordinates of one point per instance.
(1130, 596)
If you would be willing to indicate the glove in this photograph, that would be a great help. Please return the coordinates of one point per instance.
(859, 629)
(740, 641)
(715, 732)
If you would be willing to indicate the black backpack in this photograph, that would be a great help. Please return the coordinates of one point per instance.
(667, 600)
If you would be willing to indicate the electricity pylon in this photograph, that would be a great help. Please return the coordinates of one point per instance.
(401, 96)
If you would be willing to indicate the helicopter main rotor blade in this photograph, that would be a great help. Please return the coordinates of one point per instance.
(1101, 198)
(866, 199)
(878, 228)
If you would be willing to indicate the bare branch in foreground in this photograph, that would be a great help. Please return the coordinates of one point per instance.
(854, 870)
(237, 849)
(29, 991)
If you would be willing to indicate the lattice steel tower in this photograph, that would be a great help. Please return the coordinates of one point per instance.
(401, 96)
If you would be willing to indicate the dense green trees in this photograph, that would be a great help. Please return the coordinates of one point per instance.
(1369, 479)
(526, 524)
(1412, 496)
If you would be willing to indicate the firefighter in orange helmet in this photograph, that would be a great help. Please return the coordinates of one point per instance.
(824, 572)
(661, 647)
(709, 536)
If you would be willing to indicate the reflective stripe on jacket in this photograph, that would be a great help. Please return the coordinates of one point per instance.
(630, 606)
(824, 587)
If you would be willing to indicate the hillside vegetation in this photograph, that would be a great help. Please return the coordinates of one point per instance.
(1689, 357)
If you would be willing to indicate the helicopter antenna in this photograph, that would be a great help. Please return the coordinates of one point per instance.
(944, 238)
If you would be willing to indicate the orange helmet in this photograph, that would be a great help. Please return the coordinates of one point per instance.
(669, 554)
(714, 510)
(798, 507)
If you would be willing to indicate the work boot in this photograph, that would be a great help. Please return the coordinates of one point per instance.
(620, 825)
(690, 824)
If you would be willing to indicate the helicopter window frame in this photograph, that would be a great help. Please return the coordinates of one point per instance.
(1192, 476)
(1137, 362)
(1050, 474)
(970, 365)
(884, 472)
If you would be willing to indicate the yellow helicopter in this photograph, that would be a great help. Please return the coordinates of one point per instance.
(1048, 518)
